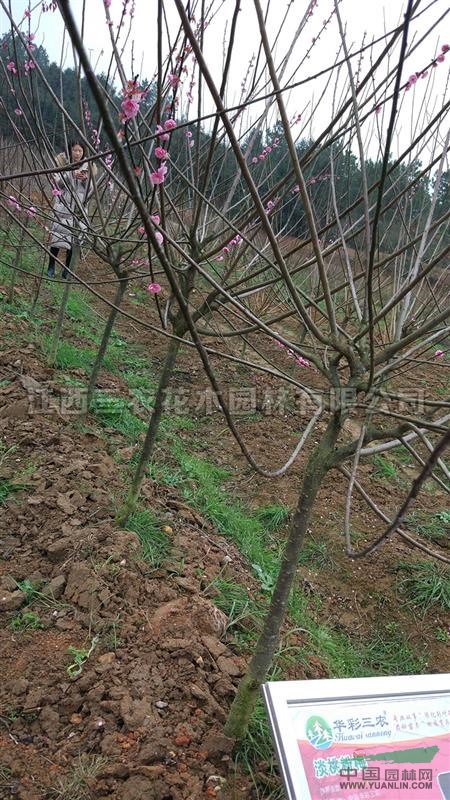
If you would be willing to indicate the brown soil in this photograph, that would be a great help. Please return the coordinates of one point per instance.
(152, 697)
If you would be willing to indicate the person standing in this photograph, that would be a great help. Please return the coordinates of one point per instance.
(70, 190)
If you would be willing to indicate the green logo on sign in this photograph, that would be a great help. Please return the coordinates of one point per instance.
(319, 733)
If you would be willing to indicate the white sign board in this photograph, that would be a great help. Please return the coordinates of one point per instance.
(363, 738)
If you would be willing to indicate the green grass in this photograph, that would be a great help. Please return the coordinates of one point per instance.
(9, 488)
(116, 412)
(383, 468)
(156, 544)
(26, 621)
(273, 517)
(317, 554)
(244, 615)
(389, 652)
(69, 356)
(424, 584)
(257, 756)
(78, 785)
(434, 527)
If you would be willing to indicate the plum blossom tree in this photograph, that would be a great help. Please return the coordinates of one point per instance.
(213, 188)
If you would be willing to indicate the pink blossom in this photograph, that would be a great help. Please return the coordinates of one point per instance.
(445, 48)
(268, 149)
(18, 111)
(161, 153)
(254, 160)
(225, 250)
(159, 175)
(440, 58)
(189, 134)
(56, 192)
(439, 354)
(130, 108)
(141, 229)
(173, 80)
(27, 12)
(302, 362)
(159, 237)
(261, 157)
(162, 134)
(170, 124)
(12, 67)
(412, 79)
(31, 212)
(154, 288)
(107, 3)
(377, 109)
(155, 218)
(12, 201)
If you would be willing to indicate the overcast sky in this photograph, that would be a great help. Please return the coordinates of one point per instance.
(361, 18)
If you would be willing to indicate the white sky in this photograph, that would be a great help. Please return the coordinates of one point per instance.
(361, 17)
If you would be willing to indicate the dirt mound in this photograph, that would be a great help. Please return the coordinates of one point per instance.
(115, 677)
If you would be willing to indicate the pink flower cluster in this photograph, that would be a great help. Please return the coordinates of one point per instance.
(314, 179)
(133, 96)
(302, 362)
(163, 132)
(14, 203)
(27, 65)
(439, 354)
(155, 218)
(423, 74)
(154, 288)
(228, 247)
(311, 8)
(173, 79)
(271, 205)
(267, 150)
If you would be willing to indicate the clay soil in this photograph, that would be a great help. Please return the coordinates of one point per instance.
(145, 713)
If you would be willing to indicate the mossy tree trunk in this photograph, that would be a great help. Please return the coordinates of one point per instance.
(98, 363)
(247, 694)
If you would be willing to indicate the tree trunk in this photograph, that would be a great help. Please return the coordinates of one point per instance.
(62, 308)
(98, 363)
(247, 694)
(152, 431)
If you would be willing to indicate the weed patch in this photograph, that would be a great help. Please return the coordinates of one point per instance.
(424, 584)
(155, 543)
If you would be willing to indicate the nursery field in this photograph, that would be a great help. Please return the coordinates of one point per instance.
(123, 646)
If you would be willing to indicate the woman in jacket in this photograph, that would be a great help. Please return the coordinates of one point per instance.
(70, 190)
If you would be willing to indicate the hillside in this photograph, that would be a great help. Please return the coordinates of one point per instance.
(122, 648)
